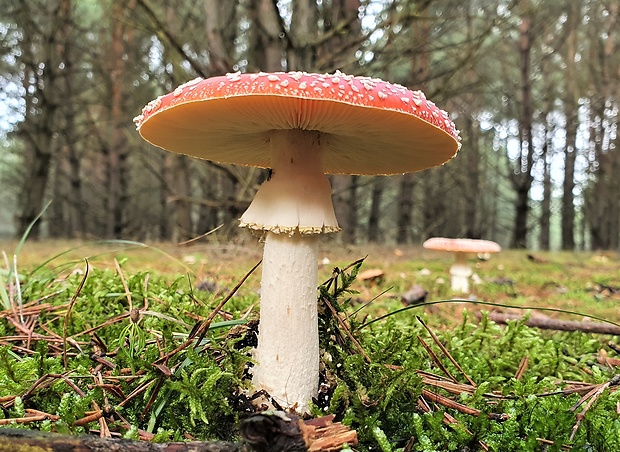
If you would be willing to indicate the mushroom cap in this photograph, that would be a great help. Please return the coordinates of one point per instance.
(462, 245)
(368, 126)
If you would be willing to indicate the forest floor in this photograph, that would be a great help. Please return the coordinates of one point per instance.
(587, 283)
(113, 312)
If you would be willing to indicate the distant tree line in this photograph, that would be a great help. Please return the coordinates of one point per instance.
(533, 85)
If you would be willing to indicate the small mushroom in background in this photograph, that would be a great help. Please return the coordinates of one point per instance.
(460, 270)
(301, 126)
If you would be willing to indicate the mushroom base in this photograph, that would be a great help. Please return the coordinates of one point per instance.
(287, 355)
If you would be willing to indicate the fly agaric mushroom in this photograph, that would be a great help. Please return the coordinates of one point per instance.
(460, 270)
(301, 126)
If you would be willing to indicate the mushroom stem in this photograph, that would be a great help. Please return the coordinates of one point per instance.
(460, 272)
(288, 345)
(293, 207)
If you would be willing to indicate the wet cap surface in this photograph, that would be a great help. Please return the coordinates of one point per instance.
(367, 126)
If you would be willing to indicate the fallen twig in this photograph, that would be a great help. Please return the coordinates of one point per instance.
(547, 323)
(66, 319)
(591, 397)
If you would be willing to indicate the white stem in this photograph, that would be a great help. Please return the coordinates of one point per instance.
(288, 343)
(460, 272)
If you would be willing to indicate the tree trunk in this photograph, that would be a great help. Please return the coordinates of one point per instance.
(522, 178)
(341, 197)
(601, 203)
(37, 128)
(522, 208)
(220, 34)
(404, 214)
(374, 217)
(183, 229)
(117, 150)
(546, 157)
(301, 55)
(545, 207)
(472, 182)
(570, 112)
(266, 51)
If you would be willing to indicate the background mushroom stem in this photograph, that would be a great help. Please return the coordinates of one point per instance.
(460, 273)
(288, 345)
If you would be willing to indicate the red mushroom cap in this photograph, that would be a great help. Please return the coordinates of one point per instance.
(368, 126)
(462, 245)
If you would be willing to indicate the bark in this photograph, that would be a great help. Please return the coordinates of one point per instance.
(522, 208)
(471, 193)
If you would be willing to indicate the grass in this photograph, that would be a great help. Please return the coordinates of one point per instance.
(138, 303)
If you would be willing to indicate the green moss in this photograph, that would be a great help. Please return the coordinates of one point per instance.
(198, 392)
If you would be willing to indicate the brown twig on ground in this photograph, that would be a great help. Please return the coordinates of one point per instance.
(447, 419)
(445, 351)
(68, 313)
(137, 391)
(346, 329)
(591, 397)
(522, 367)
(127, 291)
(615, 347)
(551, 443)
(547, 323)
(436, 360)
(32, 415)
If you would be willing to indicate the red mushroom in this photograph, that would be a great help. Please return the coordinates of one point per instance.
(460, 270)
(301, 126)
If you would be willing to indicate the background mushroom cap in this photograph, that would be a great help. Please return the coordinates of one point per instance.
(369, 126)
(462, 245)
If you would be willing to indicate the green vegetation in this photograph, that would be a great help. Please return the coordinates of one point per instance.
(151, 357)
